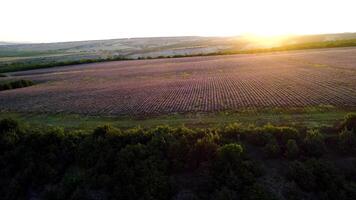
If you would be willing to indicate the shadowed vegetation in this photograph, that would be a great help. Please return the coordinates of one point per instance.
(8, 85)
(229, 162)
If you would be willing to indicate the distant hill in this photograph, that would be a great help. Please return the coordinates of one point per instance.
(8, 43)
(133, 48)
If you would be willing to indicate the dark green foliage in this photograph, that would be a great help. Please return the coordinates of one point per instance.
(322, 178)
(230, 153)
(350, 122)
(15, 84)
(9, 133)
(108, 163)
(282, 134)
(292, 192)
(105, 131)
(347, 137)
(313, 144)
(257, 192)
(3, 75)
(347, 141)
(204, 150)
(7, 125)
(225, 194)
(231, 170)
(140, 174)
(5, 86)
(262, 136)
(292, 149)
(272, 149)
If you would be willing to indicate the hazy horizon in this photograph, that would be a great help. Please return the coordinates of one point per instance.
(60, 21)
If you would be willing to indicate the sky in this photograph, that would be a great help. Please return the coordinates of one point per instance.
(72, 20)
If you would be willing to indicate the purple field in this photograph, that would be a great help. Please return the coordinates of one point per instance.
(194, 84)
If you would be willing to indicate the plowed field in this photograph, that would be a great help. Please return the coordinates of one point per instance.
(195, 84)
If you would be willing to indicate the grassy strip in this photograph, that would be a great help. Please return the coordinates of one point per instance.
(21, 66)
(309, 118)
(15, 84)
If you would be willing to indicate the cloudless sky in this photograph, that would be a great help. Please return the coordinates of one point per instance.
(69, 20)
